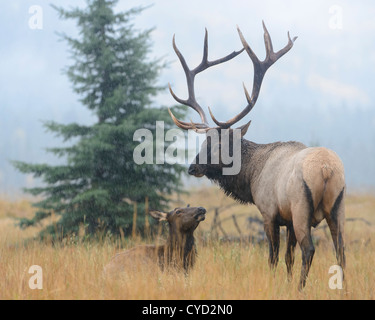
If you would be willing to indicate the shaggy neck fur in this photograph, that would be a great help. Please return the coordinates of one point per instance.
(239, 186)
(253, 158)
(180, 250)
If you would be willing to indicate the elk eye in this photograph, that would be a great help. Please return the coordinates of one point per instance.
(178, 212)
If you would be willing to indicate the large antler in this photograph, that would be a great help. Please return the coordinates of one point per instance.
(260, 68)
(190, 76)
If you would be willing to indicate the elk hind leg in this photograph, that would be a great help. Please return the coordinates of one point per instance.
(289, 254)
(308, 251)
(302, 229)
(335, 221)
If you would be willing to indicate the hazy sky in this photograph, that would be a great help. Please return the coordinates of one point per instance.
(320, 93)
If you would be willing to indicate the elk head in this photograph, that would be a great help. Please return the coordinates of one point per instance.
(181, 220)
(221, 137)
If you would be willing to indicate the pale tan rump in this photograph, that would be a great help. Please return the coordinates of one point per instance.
(323, 173)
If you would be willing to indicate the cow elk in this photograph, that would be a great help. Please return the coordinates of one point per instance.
(292, 185)
(178, 252)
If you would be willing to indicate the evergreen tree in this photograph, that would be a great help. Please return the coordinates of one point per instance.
(114, 77)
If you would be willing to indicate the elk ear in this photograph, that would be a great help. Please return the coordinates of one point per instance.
(158, 215)
(244, 128)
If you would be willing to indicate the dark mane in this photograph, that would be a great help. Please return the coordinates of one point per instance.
(238, 186)
(232, 188)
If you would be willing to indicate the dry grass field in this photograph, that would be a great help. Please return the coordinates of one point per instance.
(235, 269)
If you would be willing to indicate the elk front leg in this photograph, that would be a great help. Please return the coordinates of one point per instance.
(272, 230)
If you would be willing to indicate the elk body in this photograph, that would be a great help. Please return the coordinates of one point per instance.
(291, 185)
(179, 250)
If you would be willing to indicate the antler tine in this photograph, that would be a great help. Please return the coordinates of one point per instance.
(205, 47)
(190, 76)
(289, 46)
(197, 127)
(260, 68)
(271, 56)
(207, 64)
(267, 43)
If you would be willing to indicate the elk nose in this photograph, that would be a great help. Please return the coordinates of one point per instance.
(201, 210)
(191, 170)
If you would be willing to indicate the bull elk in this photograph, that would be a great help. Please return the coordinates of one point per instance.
(179, 250)
(292, 185)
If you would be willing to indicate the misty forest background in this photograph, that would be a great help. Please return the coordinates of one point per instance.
(99, 184)
(117, 84)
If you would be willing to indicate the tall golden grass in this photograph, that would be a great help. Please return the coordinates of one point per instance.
(224, 270)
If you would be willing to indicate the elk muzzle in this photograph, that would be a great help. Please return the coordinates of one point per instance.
(201, 214)
(195, 170)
